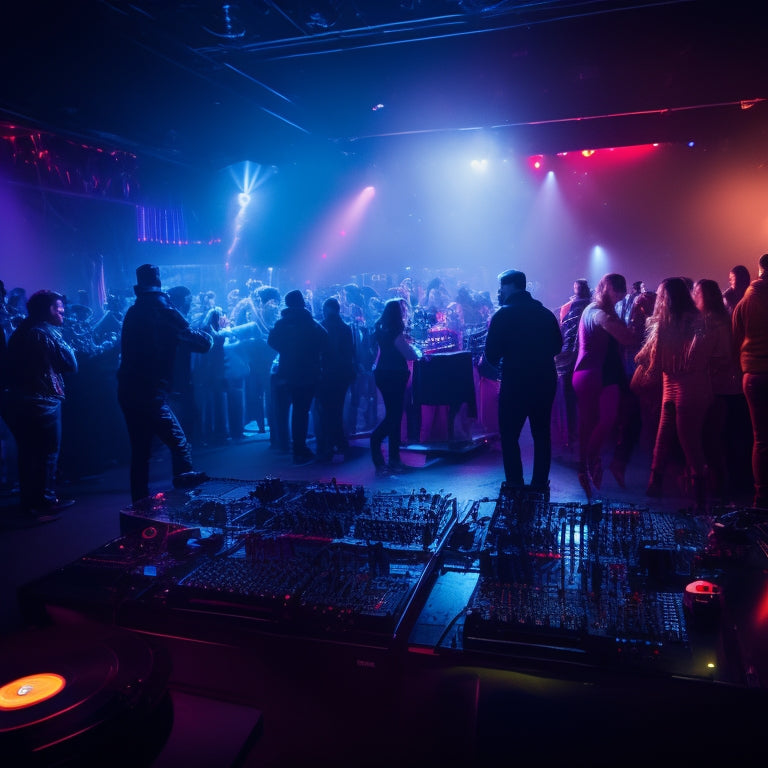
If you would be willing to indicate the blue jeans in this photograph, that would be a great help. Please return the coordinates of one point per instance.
(146, 418)
(36, 427)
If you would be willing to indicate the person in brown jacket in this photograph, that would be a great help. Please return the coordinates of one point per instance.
(750, 333)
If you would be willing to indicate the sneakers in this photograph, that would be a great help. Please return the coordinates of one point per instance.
(189, 479)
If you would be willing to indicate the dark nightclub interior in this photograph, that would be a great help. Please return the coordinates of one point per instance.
(284, 614)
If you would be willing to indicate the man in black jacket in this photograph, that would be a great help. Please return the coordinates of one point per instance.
(524, 337)
(152, 330)
(339, 371)
(36, 359)
(301, 343)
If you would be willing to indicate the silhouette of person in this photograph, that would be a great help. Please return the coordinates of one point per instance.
(599, 376)
(681, 346)
(339, 370)
(750, 334)
(6, 439)
(300, 342)
(37, 358)
(153, 329)
(524, 337)
(391, 374)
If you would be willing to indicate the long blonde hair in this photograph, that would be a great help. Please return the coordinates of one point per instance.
(672, 328)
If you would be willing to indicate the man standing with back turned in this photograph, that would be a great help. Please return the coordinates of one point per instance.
(301, 343)
(524, 337)
(750, 335)
(152, 330)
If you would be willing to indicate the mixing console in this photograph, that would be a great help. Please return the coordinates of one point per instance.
(309, 555)
(594, 578)
(593, 583)
(414, 520)
(241, 584)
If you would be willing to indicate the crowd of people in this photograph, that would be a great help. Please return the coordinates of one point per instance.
(676, 363)
(686, 364)
(187, 369)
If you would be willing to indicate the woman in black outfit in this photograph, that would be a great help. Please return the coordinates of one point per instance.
(391, 374)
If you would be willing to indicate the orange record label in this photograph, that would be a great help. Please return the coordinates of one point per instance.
(29, 690)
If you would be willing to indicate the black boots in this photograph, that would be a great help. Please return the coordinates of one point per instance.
(190, 479)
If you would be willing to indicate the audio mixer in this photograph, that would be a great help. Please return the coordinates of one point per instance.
(588, 579)
(324, 558)
(518, 574)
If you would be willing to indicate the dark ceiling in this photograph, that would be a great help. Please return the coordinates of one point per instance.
(203, 84)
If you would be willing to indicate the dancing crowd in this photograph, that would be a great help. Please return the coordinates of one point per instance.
(686, 364)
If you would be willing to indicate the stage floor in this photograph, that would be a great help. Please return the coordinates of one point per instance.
(427, 707)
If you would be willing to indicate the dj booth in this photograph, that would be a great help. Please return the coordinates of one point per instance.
(372, 627)
(450, 407)
(446, 379)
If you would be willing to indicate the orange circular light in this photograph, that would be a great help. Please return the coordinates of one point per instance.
(30, 689)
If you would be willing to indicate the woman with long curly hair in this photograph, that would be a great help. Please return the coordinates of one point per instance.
(599, 375)
(678, 345)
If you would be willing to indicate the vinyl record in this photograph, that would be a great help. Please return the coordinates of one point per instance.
(68, 694)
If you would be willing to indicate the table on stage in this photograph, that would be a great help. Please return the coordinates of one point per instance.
(445, 401)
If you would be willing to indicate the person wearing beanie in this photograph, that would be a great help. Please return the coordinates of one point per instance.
(295, 299)
(301, 343)
(524, 337)
(153, 330)
(37, 359)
